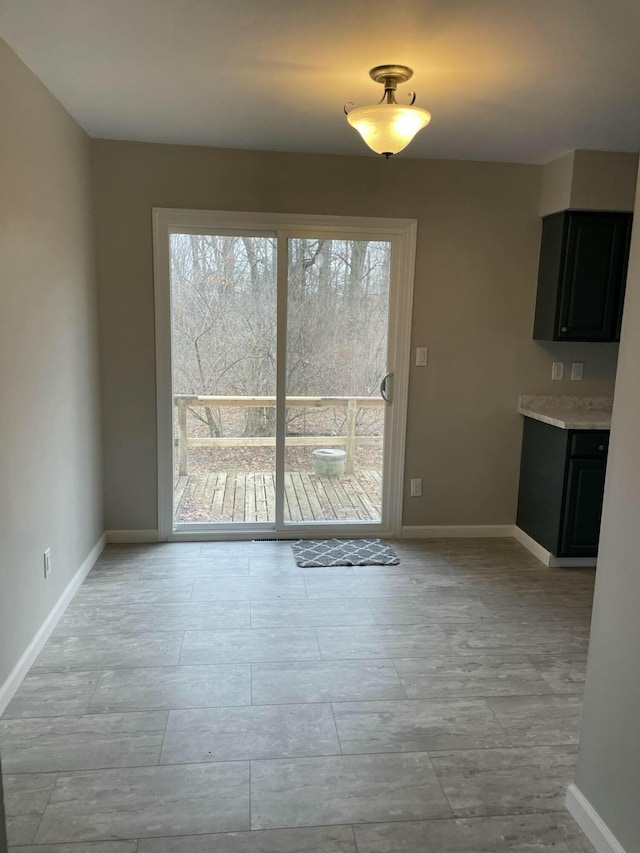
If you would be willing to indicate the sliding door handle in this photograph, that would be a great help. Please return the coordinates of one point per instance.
(386, 388)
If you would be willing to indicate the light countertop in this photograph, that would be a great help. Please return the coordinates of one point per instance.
(568, 412)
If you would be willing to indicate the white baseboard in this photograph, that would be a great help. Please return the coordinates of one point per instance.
(34, 648)
(532, 546)
(591, 823)
(546, 557)
(131, 537)
(457, 531)
(572, 562)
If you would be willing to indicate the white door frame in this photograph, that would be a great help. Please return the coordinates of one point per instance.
(401, 233)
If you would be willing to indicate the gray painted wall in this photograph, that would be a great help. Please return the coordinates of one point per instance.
(3, 823)
(476, 275)
(608, 771)
(50, 460)
(589, 180)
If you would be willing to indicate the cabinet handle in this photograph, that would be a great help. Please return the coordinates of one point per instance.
(601, 447)
(563, 329)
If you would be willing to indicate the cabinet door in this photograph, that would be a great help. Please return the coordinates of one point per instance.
(542, 482)
(592, 286)
(583, 508)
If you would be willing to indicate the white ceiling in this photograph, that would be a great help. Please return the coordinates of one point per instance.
(513, 80)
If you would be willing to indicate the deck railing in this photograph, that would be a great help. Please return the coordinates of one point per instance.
(184, 402)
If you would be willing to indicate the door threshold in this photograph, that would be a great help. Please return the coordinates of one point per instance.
(259, 536)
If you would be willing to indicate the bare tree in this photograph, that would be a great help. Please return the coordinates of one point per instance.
(224, 323)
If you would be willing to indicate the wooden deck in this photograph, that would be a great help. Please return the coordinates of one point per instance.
(250, 497)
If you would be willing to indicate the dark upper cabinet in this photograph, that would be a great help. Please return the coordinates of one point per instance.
(582, 274)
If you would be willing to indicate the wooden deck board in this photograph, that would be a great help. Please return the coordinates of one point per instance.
(218, 497)
(301, 497)
(327, 497)
(250, 510)
(229, 497)
(179, 490)
(209, 494)
(362, 499)
(270, 496)
(250, 497)
(295, 513)
(239, 505)
(319, 511)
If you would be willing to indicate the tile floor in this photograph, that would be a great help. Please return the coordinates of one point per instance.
(214, 698)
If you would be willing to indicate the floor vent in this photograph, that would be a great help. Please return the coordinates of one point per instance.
(275, 540)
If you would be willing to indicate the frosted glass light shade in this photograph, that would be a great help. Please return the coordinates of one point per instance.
(388, 128)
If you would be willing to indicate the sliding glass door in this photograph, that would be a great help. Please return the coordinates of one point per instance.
(223, 358)
(336, 359)
(273, 346)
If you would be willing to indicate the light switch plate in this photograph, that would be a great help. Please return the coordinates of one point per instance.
(557, 370)
(577, 369)
(421, 356)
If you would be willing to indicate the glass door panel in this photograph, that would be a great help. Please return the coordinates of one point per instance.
(337, 340)
(223, 353)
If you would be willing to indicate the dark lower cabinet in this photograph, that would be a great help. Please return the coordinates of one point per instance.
(561, 487)
(583, 507)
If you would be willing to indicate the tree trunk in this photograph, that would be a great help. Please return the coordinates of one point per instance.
(260, 420)
(212, 422)
(356, 272)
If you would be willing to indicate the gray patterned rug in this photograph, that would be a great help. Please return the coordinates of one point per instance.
(343, 552)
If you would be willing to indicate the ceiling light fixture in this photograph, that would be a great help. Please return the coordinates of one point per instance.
(387, 127)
